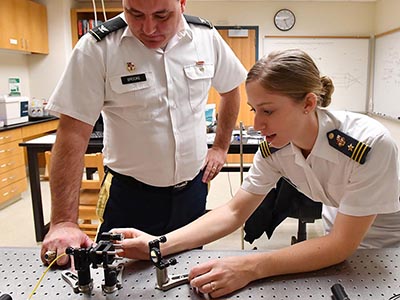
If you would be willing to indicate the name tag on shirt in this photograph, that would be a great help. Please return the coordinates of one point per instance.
(133, 78)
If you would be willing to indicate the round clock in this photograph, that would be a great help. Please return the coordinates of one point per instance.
(284, 19)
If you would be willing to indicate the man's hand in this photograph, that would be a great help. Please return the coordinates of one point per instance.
(215, 160)
(61, 236)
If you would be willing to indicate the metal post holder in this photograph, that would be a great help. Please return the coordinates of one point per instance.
(164, 282)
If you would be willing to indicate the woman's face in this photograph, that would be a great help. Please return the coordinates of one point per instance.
(278, 117)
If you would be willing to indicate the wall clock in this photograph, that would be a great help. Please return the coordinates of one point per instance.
(284, 19)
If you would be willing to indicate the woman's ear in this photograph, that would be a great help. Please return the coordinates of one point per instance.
(310, 102)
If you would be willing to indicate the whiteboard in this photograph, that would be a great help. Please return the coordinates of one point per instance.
(345, 60)
(386, 87)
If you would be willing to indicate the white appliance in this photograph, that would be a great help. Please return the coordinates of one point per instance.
(14, 109)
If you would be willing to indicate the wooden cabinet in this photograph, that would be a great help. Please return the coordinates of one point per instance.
(33, 131)
(13, 160)
(10, 37)
(12, 166)
(23, 26)
(37, 30)
(86, 14)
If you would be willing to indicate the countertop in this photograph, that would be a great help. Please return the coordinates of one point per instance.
(32, 121)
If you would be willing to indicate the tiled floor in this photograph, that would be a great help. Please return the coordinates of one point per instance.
(17, 229)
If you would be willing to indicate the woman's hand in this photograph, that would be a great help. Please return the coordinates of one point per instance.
(135, 244)
(222, 276)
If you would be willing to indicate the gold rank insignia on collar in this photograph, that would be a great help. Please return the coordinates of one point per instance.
(130, 67)
(266, 150)
(349, 146)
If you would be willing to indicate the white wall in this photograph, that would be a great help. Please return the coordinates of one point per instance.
(45, 70)
(387, 15)
(388, 18)
(13, 64)
(312, 18)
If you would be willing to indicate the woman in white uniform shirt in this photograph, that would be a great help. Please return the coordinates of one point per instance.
(346, 161)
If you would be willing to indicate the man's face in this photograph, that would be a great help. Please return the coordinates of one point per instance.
(154, 22)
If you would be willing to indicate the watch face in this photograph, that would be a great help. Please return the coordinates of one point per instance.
(284, 19)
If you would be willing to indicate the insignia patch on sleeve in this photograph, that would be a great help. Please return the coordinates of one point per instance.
(111, 25)
(198, 21)
(349, 146)
(266, 150)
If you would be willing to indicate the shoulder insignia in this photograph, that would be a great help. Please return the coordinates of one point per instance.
(266, 150)
(198, 21)
(348, 146)
(99, 32)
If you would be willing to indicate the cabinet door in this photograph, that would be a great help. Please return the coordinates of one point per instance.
(37, 34)
(13, 15)
(8, 136)
(13, 190)
(23, 26)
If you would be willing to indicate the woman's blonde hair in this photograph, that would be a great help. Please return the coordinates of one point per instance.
(293, 73)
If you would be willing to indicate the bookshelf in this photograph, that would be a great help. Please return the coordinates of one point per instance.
(84, 15)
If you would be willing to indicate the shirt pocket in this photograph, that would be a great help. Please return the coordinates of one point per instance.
(199, 82)
(135, 96)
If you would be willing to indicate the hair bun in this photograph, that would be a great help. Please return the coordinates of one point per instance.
(327, 91)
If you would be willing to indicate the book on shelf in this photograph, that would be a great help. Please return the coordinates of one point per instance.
(84, 25)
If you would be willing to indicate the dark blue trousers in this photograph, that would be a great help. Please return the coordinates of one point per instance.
(155, 210)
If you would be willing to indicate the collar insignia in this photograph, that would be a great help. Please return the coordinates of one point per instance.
(130, 67)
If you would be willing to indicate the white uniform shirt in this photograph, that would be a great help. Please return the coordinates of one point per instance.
(331, 177)
(154, 124)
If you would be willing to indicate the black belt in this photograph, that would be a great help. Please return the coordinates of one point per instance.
(131, 180)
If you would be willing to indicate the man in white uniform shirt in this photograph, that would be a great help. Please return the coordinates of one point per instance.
(148, 71)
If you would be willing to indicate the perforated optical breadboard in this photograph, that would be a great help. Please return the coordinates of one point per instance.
(367, 275)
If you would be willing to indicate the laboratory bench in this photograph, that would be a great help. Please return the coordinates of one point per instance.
(367, 274)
